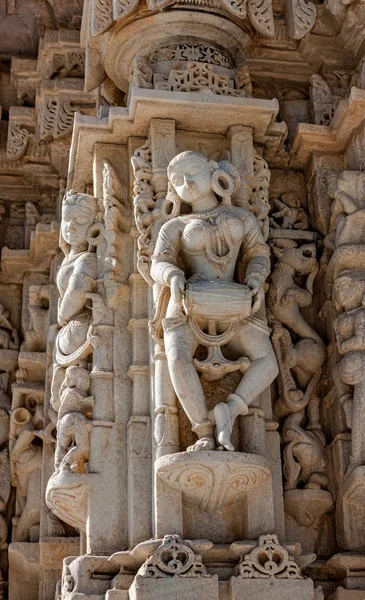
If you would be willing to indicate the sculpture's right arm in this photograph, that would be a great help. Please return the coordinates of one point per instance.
(164, 261)
(81, 282)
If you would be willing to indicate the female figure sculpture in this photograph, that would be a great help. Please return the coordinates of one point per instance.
(215, 262)
(75, 281)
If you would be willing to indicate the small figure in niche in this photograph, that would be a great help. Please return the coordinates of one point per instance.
(290, 211)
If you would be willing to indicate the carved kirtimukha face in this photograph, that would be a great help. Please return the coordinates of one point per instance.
(191, 178)
(76, 221)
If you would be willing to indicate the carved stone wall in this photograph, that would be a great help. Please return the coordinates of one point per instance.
(182, 287)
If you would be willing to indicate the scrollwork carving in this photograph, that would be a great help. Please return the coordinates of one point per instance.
(268, 559)
(237, 8)
(18, 140)
(262, 16)
(102, 16)
(173, 558)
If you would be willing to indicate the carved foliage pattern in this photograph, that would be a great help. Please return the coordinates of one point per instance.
(18, 139)
(301, 17)
(262, 16)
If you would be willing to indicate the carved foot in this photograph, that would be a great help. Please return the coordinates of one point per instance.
(225, 415)
(206, 440)
(205, 443)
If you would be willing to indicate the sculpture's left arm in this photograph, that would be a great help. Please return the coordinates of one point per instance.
(255, 253)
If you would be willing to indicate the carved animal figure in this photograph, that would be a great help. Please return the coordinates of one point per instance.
(304, 460)
(285, 301)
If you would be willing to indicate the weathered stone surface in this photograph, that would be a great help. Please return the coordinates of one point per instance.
(182, 300)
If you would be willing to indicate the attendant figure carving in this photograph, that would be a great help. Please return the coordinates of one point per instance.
(76, 283)
(211, 264)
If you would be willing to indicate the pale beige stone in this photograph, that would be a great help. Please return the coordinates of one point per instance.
(204, 160)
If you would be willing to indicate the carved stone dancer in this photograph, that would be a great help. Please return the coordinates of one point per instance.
(74, 426)
(195, 260)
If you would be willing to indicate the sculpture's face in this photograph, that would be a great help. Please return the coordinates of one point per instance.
(349, 292)
(191, 178)
(291, 199)
(76, 220)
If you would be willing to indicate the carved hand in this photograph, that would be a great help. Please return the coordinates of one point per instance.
(258, 293)
(177, 286)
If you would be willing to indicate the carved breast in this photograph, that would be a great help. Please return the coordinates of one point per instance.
(223, 233)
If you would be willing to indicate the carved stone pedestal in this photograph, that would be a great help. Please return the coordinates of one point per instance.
(213, 480)
(67, 495)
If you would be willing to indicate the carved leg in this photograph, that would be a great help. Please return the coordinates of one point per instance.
(180, 347)
(255, 345)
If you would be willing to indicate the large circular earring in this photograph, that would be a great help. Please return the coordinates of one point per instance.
(95, 234)
(171, 205)
(223, 185)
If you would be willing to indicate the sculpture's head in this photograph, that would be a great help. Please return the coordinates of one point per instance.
(349, 291)
(78, 214)
(189, 174)
(77, 377)
(291, 199)
(192, 177)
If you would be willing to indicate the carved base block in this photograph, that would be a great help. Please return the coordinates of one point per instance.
(117, 595)
(353, 510)
(179, 588)
(306, 506)
(270, 589)
(67, 497)
(213, 479)
(23, 571)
